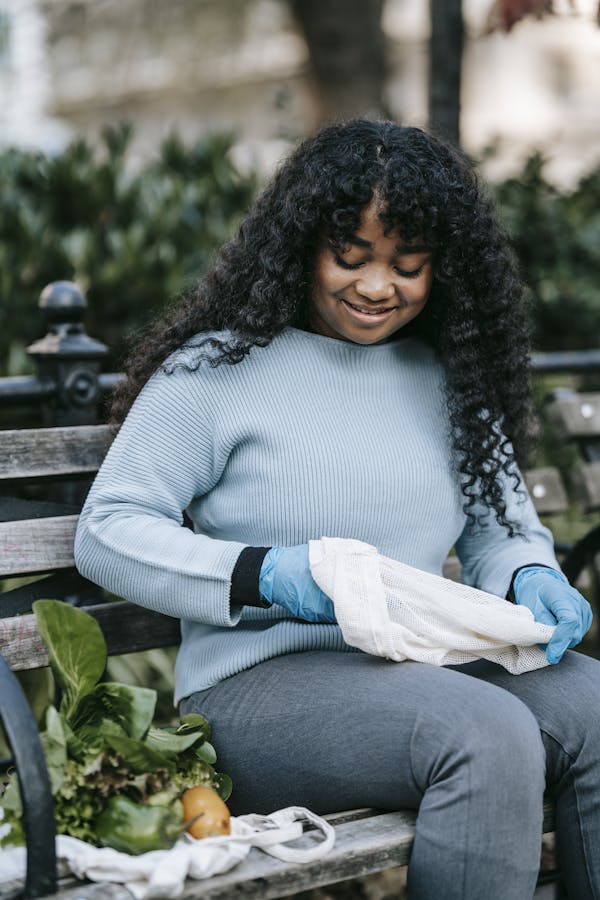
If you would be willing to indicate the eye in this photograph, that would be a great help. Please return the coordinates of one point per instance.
(411, 273)
(346, 265)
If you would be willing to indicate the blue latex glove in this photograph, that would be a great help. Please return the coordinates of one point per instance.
(553, 601)
(285, 579)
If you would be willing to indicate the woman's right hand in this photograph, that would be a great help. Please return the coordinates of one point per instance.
(553, 601)
(285, 578)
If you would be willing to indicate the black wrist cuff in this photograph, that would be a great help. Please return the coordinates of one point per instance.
(511, 591)
(244, 578)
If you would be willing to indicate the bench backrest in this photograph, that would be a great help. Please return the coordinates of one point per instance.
(31, 544)
(36, 538)
(576, 417)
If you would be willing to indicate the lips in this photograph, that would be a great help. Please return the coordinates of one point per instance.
(369, 311)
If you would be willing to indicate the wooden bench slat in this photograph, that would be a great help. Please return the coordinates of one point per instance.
(576, 415)
(41, 453)
(36, 545)
(351, 815)
(362, 847)
(586, 479)
(127, 628)
(547, 490)
(39, 545)
(101, 891)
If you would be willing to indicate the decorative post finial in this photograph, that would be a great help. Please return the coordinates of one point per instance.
(68, 356)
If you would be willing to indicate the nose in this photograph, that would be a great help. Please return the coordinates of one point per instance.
(375, 285)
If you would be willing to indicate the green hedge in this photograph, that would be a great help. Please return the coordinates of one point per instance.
(556, 236)
(132, 239)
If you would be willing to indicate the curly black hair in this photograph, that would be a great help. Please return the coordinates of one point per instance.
(261, 282)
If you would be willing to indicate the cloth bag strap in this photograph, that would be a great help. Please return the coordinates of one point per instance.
(271, 833)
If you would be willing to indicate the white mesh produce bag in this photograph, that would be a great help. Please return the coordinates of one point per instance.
(393, 610)
(162, 873)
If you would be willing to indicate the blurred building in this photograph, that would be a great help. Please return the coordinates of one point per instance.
(70, 66)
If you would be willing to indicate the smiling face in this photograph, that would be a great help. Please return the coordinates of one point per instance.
(372, 287)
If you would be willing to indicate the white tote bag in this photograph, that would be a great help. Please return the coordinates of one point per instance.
(396, 611)
(162, 873)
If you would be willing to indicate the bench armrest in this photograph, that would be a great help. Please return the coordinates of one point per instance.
(582, 553)
(34, 784)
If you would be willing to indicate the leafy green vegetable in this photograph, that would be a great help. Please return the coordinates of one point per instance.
(171, 742)
(199, 772)
(140, 756)
(223, 785)
(132, 828)
(54, 742)
(207, 753)
(11, 799)
(101, 744)
(76, 649)
(194, 722)
(130, 707)
(90, 740)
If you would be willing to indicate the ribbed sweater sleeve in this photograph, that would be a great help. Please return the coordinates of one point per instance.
(489, 557)
(130, 537)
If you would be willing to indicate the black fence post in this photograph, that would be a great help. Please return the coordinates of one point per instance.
(68, 356)
(69, 359)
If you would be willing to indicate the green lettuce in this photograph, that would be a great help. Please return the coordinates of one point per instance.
(76, 649)
(101, 741)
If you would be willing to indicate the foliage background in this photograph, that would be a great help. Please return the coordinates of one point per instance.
(556, 236)
(134, 240)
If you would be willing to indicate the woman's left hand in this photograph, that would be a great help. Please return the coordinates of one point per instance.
(553, 601)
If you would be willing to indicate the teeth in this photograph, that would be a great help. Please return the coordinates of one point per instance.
(367, 311)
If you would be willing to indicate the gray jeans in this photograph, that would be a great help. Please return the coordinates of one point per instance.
(470, 747)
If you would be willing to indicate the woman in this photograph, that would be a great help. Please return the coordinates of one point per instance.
(355, 366)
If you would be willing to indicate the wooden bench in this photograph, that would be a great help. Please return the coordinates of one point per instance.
(36, 539)
(575, 418)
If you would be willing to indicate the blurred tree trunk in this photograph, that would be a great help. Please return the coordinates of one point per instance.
(445, 60)
(347, 51)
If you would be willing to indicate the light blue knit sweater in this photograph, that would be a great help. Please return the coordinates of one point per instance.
(305, 438)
